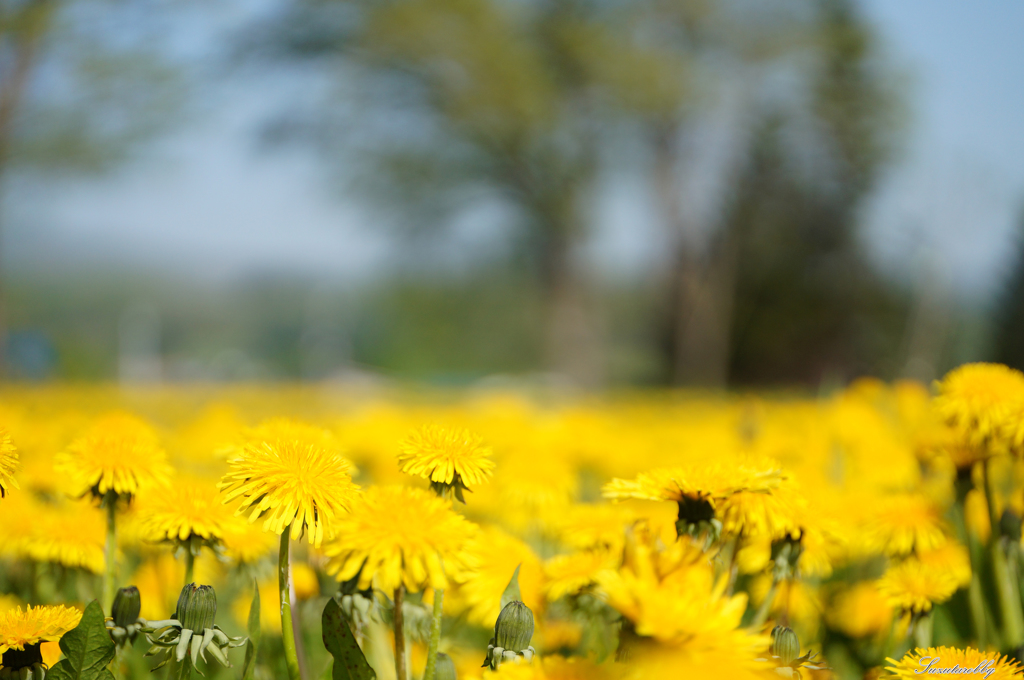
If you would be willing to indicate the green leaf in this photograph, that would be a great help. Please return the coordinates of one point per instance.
(349, 661)
(252, 645)
(511, 593)
(87, 649)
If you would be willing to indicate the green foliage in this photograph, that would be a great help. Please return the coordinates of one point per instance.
(87, 648)
(252, 645)
(349, 661)
(512, 593)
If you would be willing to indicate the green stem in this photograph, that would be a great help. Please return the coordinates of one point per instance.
(190, 563)
(284, 575)
(762, 612)
(400, 672)
(110, 554)
(1009, 598)
(975, 597)
(923, 632)
(435, 635)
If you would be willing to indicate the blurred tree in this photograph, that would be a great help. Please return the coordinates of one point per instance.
(807, 303)
(1008, 342)
(76, 94)
(500, 103)
(454, 104)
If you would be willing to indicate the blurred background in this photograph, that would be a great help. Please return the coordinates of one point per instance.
(715, 193)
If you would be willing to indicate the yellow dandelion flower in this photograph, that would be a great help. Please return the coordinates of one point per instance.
(981, 401)
(450, 458)
(756, 513)
(902, 524)
(8, 463)
(673, 598)
(569, 574)
(189, 510)
(913, 587)
(293, 482)
(496, 555)
(860, 611)
(399, 535)
(587, 526)
(70, 534)
(967, 663)
(22, 628)
(953, 558)
(119, 453)
(708, 482)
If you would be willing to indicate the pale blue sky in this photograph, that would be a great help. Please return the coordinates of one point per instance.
(205, 204)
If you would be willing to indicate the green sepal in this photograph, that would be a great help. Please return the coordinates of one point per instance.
(511, 593)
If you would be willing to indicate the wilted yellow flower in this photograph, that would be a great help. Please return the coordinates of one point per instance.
(119, 453)
(982, 401)
(293, 482)
(21, 628)
(399, 535)
(860, 611)
(450, 458)
(913, 587)
(941, 661)
(8, 463)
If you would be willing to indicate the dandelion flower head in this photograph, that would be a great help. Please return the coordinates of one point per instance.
(120, 453)
(290, 479)
(996, 666)
(20, 628)
(981, 401)
(399, 535)
(188, 509)
(8, 463)
(449, 457)
(913, 586)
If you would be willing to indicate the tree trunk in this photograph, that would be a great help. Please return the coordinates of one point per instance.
(700, 283)
(572, 343)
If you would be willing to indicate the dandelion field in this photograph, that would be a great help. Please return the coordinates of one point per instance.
(302, 532)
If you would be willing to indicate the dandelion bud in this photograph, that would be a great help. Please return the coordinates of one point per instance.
(514, 628)
(785, 645)
(444, 668)
(126, 607)
(197, 607)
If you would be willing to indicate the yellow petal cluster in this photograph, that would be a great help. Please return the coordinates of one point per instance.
(400, 536)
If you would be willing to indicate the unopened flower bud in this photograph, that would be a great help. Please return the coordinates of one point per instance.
(444, 669)
(514, 628)
(197, 607)
(126, 607)
(785, 645)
